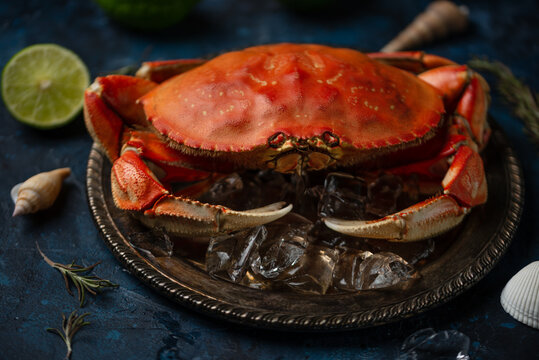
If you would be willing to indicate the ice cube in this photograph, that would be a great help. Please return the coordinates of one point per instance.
(412, 252)
(324, 236)
(153, 242)
(226, 187)
(314, 271)
(238, 192)
(276, 186)
(229, 256)
(287, 258)
(256, 282)
(307, 204)
(347, 274)
(383, 194)
(279, 256)
(382, 270)
(292, 224)
(285, 244)
(344, 197)
(426, 344)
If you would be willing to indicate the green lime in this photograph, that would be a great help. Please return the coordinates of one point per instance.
(43, 85)
(147, 14)
(309, 6)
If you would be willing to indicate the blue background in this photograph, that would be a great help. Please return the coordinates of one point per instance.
(133, 322)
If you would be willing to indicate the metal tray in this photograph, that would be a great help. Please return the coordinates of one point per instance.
(475, 248)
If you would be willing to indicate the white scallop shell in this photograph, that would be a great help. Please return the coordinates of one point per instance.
(520, 297)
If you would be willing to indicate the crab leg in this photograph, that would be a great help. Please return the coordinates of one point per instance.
(473, 107)
(104, 126)
(464, 187)
(151, 147)
(414, 61)
(120, 92)
(466, 92)
(464, 182)
(423, 220)
(109, 104)
(159, 71)
(182, 216)
(178, 212)
(135, 187)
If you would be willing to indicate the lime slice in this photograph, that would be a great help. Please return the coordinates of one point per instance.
(43, 85)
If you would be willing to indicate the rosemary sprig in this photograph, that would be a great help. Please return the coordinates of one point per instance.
(70, 326)
(83, 283)
(516, 93)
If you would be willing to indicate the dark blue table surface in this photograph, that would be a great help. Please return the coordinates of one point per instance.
(133, 322)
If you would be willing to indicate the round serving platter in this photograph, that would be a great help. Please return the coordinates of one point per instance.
(475, 248)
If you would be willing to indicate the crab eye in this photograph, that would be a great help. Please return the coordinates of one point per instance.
(277, 140)
(330, 139)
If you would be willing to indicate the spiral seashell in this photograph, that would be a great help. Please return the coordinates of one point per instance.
(520, 297)
(38, 192)
(439, 20)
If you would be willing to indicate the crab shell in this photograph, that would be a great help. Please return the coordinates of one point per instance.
(292, 108)
(258, 104)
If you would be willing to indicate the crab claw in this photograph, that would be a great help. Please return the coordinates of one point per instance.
(109, 103)
(159, 71)
(464, 187)
(423, 220)
(135, 187)
(183, 216)
(414, 61)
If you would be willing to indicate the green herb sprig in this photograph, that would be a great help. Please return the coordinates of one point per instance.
(75, 273)
(70, 326)
(515, 93)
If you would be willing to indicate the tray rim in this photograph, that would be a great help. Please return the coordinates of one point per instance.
(196, 300)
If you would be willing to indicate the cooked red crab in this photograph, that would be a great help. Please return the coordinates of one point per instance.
(291, 108)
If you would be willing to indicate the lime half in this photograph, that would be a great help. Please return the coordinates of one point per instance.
(43, 85)
(147, 14)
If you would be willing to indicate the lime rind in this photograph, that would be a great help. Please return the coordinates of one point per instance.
(43, 85)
